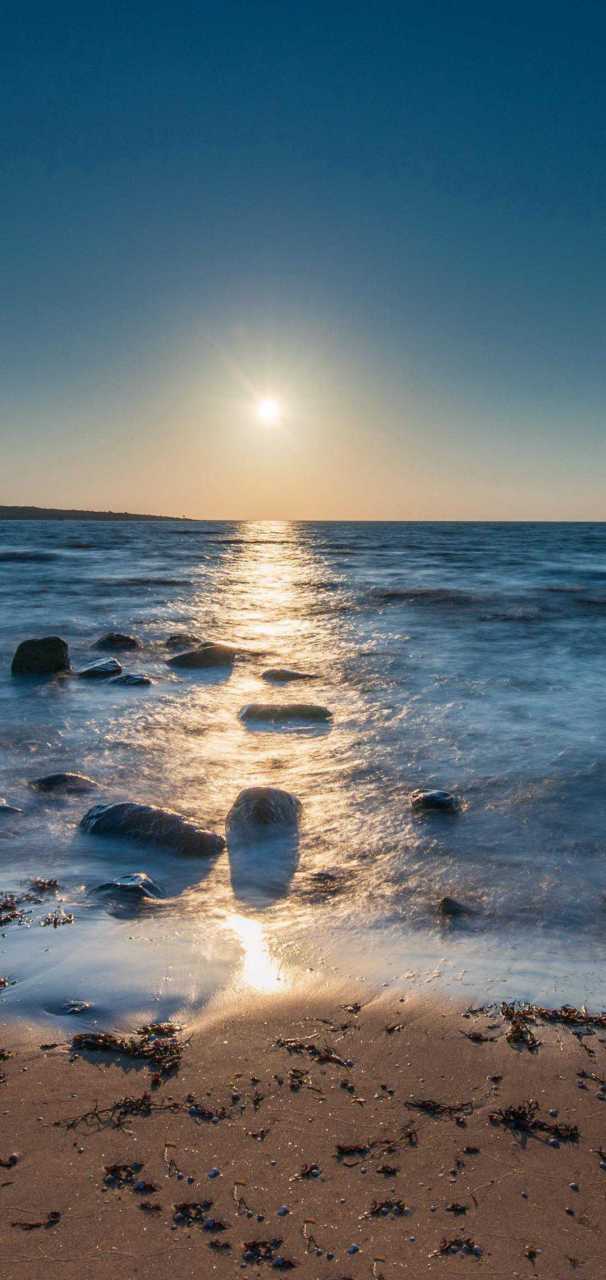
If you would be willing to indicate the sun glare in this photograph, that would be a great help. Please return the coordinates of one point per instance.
(269, 411)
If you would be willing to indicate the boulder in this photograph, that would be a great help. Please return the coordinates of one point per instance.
(132, 886)
(148, 823)
(183, 640)
(440, 801)
(41, 657)
(282, 675)
(263, 807)
(285, 712)
(450, 908)
(69, 782)
(102, 670)
(207, 655)
(131, 678)
(114, 640)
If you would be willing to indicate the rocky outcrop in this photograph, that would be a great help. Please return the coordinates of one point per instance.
(72, 783)
(438, 801)
(43, 657)
(207, 655)
(283, 675)
(182, 640)
(133, 886)
(115, 640)
(263, 807)
(7, 809)
(449, 908)
(102, 670)
(285, 713)
(131, 678)
(152, 825)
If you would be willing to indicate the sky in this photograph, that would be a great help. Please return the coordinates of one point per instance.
(388, 216)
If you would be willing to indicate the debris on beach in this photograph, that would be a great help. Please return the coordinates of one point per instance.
(323, 1053)
(56, 918)
(457, 1245)
(122, 1175)
(52, 1219)
(156, 1043)
(432, 1108)
(524, 1119)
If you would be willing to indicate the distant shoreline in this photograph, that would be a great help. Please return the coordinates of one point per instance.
(59, 513)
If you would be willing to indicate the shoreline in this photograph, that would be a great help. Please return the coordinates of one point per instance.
(382, 1128)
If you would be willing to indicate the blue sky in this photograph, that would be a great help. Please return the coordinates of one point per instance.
(390, 216)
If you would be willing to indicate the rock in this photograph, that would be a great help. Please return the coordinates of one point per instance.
(285, 712)
(442, 801)
(207, 655)
(282, 675)
(101, 670)
(263, 807)
(449, 907)
(70, 782)
(146, 822)
(134, 885)
(41, 657)
(183, 640)
(7, 809)
(115, 640)
(131, 678)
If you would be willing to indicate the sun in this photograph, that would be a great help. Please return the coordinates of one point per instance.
(269, 411)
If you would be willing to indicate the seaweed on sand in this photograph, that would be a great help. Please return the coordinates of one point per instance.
(523, 1119)
(156, 1043)
(566, 1014)
(457, 1245)
(322, 1053)
(433, 1108)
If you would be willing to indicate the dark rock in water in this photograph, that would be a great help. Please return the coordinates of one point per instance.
(282, 675)
(70, 782)
(442, 801)
(41, 657)
(449, 907)
(115, 640)
(7, 809)
(182, 640)
(134, 885)
(263, 807)
(284, 712)
(76, 1006)
(101, 670)
(131, 678)
(207, 655)
(146, 822)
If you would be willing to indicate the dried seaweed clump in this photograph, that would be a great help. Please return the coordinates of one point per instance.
(525, 1120)
(156, 1043)
(566, 1013)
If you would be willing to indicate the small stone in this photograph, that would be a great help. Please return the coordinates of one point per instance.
(354, 1248)
(553, 1142)
(574, 1186)
(214, 1173)
(283, 1210)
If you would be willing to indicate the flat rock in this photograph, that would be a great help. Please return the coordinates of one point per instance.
(283, 675)
(115, 640)
(70, 782)
(440, 801)
(41, 657)
(207, 655)
(133, 885)
(285, 712)
(131, 678)
(265, 807)
(102, 670)
(153, 825)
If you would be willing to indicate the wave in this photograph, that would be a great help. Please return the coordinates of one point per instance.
(34, 556)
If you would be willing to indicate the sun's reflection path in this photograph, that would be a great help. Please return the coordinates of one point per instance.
(259, 969)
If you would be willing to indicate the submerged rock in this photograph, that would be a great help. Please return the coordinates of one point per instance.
(115, 640)
(42, 657)
(207, 655)
(265, 807)
(131, 678)
(146, 822)
(449, 908)
(101, 670)
(182, 640)
(442, 801)
(71, 782)
(134, 885)
(285, 712)
(282, 675)
(6, 809)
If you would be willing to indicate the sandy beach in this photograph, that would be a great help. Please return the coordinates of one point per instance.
(337, 1139)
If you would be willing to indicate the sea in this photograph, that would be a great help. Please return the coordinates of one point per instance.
(460, 656)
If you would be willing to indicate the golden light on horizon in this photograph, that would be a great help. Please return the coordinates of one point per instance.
(269, 411)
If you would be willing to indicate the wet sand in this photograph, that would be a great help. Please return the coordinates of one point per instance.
(339, 1128)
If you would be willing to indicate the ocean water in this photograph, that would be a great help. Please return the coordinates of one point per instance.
(470, 657)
